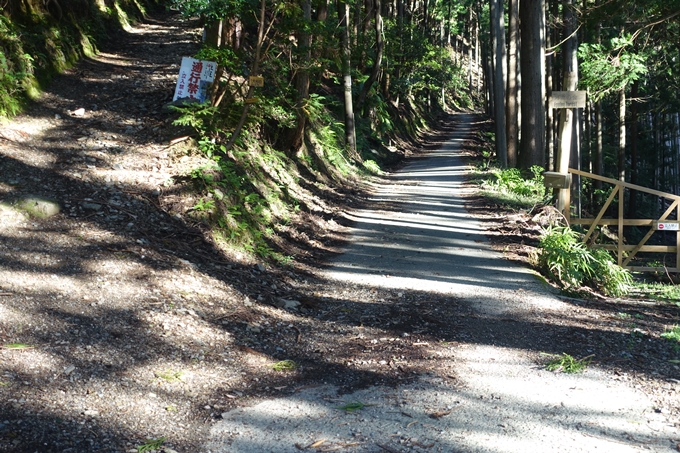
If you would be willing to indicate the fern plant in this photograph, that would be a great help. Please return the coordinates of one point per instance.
(568, 262)
(564, 258)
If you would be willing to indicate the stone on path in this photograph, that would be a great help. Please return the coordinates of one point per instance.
(39, 207)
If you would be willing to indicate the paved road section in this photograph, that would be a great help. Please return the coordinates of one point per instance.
(422, 238)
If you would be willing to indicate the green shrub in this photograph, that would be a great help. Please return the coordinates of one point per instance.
(508, 187)
(568, 364)
(510, 180)
(673, 334)
(372, 167)
(16, 68)
(568, 262)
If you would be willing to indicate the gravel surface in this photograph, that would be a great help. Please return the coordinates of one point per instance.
(122, 321)
(482, 396)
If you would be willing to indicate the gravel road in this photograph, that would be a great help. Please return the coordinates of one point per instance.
(421, 238)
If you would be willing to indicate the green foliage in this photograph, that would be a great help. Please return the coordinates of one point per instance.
(17, 346)
(226, 57)
(326, 133)
(211, 9)
(568, 261)
(16, 68)
(611, 68)
(36, 46)
(151, 445)
(236, 188)
(285, 365)
(567, 364)
(353, 407)
(510, 188)
(203, 118)
(673, 335)
(658, 291)
(170, 375)
(372, 166)
(610, 278)
(510, 180)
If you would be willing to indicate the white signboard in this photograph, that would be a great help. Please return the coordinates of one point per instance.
(568, 99)
(668, 226)
(195, 76)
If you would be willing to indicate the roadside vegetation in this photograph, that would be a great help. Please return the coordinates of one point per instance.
(41, 39)
(567, 364)
(338, 103)
(275, 152)
(560, 254)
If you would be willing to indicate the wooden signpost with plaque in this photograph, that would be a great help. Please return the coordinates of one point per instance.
(565, 100)
(568, 100)
(256, 81)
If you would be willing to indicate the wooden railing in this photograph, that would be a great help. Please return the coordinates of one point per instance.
(660, 224)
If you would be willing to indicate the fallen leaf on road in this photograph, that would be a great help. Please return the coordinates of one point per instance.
(439, 414)
(317, 444)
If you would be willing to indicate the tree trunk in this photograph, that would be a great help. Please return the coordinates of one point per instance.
(354, 40)
(478, 63)
(570, 80)
(599, 159)
(622, 135)
(350, 133)
(302, 79)
(470, 23)
(549, 84)
(632, 202)
(488, 77)
(511, 103)
(498, 37)
(213, 33)
(380, 45)
(532, 63)
(552, 83)
(448, 23)
(255, 71)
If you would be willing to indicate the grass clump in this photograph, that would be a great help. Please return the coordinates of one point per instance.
(663, 292)
(353, 407)
(508, 187)
(169, 375)
(568, 364)
(17, 346)
(285, 365)
(151, 445)
(673, 335)
(372, 167)
(570, 263)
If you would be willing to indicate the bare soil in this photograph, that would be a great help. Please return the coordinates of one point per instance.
(122, 321)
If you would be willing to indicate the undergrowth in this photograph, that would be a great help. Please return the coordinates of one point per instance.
(673, 335)
(570, 263)
(36, 45)
(510, 188)
(16, 67)
(566, 363)
(562, 256)
(250, 192)
(664, 292)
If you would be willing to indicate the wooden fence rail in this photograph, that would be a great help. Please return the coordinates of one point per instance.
(661, 224)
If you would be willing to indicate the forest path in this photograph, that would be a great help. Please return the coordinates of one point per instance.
(488, 391)
(137, 327)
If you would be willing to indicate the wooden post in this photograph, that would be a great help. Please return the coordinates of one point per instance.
(565, 101)
(677, 239)
(620, 232)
